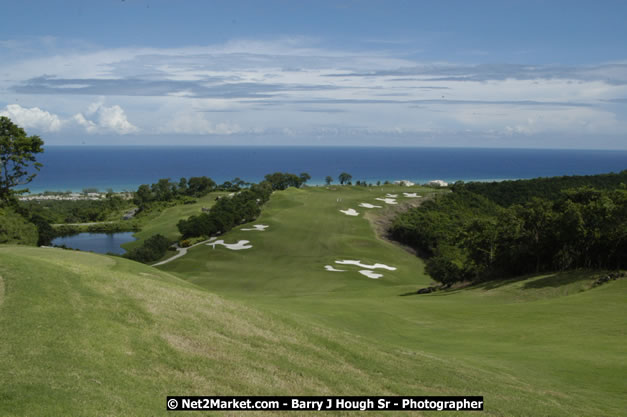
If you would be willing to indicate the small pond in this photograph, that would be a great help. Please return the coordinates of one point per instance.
(96, 242)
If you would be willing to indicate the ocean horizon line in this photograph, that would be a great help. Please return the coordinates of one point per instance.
(242, 146)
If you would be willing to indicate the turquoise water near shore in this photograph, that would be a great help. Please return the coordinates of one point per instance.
(126, 167)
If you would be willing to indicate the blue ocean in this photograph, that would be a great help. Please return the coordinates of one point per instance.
(126, 167)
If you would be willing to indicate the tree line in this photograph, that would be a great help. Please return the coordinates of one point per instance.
(507, 193)
(468, 236)
(227, 212)
(165, 190)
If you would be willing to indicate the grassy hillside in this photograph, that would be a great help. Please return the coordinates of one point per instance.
(85, 334)
(16, 229)
(543, 333)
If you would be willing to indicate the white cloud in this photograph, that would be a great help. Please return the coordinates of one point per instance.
(105, 119)
(89, 126)
(297, 87)
(33, 117)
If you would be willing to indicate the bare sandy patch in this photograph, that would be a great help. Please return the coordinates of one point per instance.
(370, 274)
(257, 227)
(240, 245)
(411, 195)
(387, 200)
(391, 195)
(350, 212)
(361, 265)
(330, 268)
(368, 205)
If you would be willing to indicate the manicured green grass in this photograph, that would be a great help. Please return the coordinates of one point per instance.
(85, 334)
(541, 333)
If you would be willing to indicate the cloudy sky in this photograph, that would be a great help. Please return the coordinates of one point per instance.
(388, 73)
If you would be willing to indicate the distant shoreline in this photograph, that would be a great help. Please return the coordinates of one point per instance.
(67, 190)
(74, 168)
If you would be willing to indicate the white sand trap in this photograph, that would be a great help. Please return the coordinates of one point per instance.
(350, 212)
(411, 195)
(330, 268)
(391, 195)
(259, 227)
(370, 274)
(359, 264)
(242, 244)
(368, 205)
(387, 200)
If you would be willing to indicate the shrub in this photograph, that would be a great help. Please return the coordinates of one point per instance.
(153, 249)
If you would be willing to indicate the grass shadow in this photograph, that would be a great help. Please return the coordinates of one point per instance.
(552, 280)
(560, 279)
(497, 283)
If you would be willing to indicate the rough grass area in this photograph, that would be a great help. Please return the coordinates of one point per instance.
(92, 335)
(86, 334)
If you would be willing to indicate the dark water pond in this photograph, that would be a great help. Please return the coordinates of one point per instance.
(96, 242)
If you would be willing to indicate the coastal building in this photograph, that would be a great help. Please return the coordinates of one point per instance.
(437, 183)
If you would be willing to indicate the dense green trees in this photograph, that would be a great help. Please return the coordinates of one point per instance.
(17, 157)
(467, 236)
(77, 211)
(165, 190)
(151, 250)
(15, 229)
(227, 212)
(507, 193)
(304, 177)
(200, 186)
(344, 178)
(18, 166)
(282, 180)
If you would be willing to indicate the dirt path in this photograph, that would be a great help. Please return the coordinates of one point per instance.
(181, 252)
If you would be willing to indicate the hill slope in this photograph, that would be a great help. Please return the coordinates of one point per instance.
(548, 334)
(84, 334)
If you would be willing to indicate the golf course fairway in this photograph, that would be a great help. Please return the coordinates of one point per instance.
(94, 335)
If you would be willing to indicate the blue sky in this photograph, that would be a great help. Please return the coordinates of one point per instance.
(399, 73)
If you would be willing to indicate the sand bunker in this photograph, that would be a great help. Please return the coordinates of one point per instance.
(350, 212)
(391, 195)
(370, 274)
(330, 268)
(387, 200)
(411, 195)
(368, 205)
(242, 244)
(258, 227)
(359, 264)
